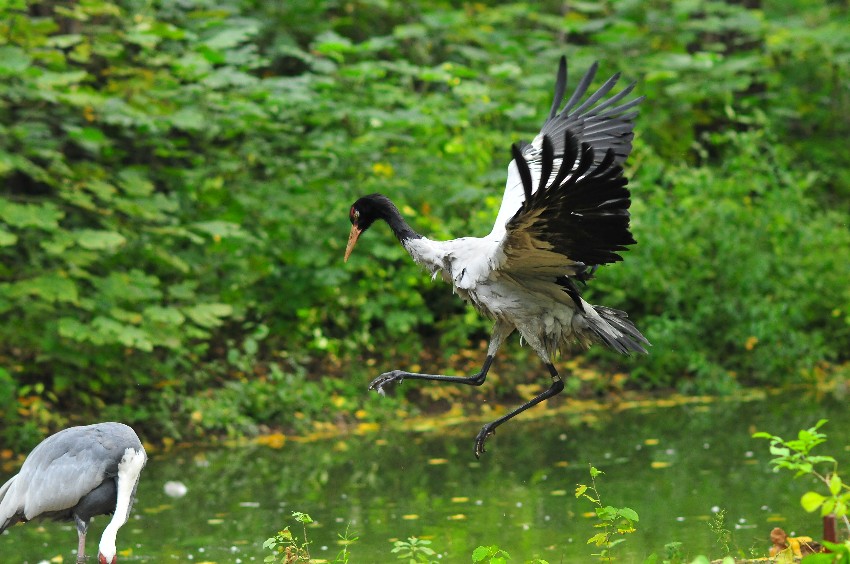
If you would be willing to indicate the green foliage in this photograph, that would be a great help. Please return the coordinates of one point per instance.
(839, 554)
(614, 522)
(414, 550)
(286, 548)
(795, 455)
(723, 536)
(176, 179)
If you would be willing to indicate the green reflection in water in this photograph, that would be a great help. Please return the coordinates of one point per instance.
(392, 485)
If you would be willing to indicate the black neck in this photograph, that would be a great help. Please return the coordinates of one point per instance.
(400, 227)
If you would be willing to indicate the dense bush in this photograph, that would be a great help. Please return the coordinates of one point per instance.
(176, 181)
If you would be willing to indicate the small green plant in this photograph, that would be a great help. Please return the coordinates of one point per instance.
(346, 540)
(795, 455)
(414, 551)
(490, 555)
(287, 550)
(495, 555)
(615, 522)
(717, 524)
(285, 546)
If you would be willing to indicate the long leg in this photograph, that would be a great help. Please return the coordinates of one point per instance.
(490, 428)
(500, 333)
(399, 375)
(82, 528)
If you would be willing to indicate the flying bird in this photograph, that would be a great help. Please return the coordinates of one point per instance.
(74, 475)
(564, 212)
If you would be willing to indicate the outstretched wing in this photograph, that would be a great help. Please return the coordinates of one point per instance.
(603, 124)
(569, 219)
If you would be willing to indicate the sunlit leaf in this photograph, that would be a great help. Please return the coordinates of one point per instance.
(811, 501)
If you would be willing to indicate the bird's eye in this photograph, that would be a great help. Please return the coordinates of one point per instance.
(355, 214)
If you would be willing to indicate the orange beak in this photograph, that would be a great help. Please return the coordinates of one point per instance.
(352, 240)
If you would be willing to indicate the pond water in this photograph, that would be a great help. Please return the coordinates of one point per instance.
(674, 463)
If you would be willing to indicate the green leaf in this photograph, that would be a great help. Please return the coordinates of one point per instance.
(629, 514)
(48, 80)
(811, 501)
(220, 229)
(40, 216)
(164, 315)
(13, 60)
(598, 539)
(231, 37)
(208, 315)
(96, 240)
(580, 489)
(827, 507)
(835, 484)
(480, 553)
(189, 119)
(50, 287)
(7, 238)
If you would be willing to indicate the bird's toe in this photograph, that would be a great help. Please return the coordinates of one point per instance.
(386, 378)
(480, 439)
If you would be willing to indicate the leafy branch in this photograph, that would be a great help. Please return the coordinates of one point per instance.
(795, 455)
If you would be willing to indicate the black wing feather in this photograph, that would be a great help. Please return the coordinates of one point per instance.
(603, 123)
(584, 213)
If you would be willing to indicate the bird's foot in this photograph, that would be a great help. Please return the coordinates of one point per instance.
(82, 559)
(483, 434)
(393, 376)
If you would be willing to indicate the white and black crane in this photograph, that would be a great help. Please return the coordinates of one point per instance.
(74, 475)
(565, 211)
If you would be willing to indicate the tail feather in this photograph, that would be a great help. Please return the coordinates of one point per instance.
(615, 329)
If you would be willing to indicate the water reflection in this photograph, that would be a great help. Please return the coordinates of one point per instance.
(673, 465)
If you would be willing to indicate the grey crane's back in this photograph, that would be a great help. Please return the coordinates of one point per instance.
(71, 472)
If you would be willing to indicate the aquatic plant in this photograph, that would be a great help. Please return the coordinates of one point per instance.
(414, 551)
(615, 522)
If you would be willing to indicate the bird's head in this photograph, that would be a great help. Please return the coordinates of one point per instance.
(106, 551)
(363, 214)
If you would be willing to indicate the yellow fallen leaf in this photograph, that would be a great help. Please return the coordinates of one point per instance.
(659, 464)
(410, 517)
(460, 499)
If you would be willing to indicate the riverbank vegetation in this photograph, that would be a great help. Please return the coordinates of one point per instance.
(176, 179)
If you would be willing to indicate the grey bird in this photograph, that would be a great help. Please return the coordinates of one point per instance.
(74, 475)
(565, 211)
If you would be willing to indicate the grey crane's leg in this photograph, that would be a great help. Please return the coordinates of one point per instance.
(82, 528)
(398, 376)
(490, 428)
(500, 332)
